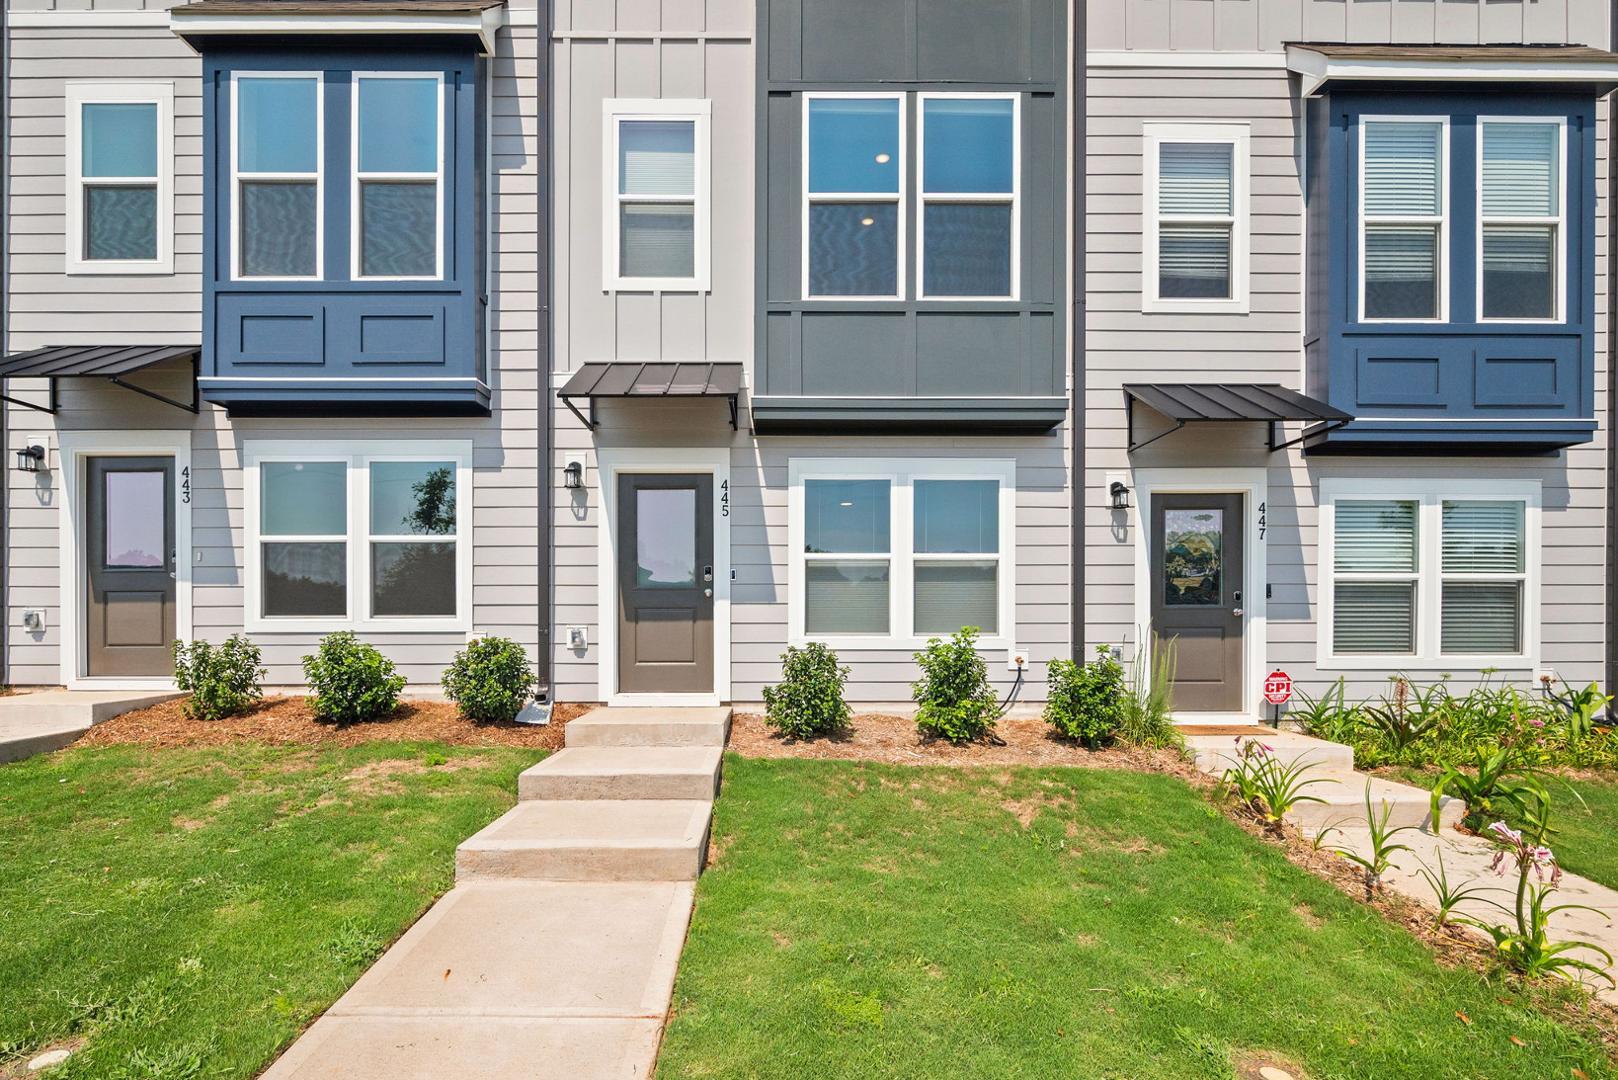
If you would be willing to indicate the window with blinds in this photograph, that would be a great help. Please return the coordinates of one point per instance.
(1520, 229)
(656, 225)
(956, 538)
(847, 550)
(1376, 564)
(1402, 218)
(1484, 572)
(1196, 215)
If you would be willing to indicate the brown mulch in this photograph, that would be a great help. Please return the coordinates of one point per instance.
(286, 721)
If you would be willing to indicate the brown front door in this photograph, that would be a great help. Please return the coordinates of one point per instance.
(665, 583)
(130, 571)
(1196, 582)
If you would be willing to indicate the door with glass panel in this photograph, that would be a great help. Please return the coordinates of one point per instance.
(665, 584)
(130, 569)
(1197, 600)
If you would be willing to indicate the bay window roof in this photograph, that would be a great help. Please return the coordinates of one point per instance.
(439, 18)
(1322, 64)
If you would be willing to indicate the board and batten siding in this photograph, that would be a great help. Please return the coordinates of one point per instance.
(1265, 345)
(48, 307)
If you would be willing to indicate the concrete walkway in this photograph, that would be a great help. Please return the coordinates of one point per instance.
(554, 955)
(1466, 858)
(37, 723)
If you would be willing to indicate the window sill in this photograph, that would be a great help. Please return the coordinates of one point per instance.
(358, 626)
(120, 269)
(1195, 307)
(855, 643)
(1426, 665)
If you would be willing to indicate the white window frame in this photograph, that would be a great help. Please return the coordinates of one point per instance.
(1446, 178)
(237, 176)
(901, 475)
(79, 93)
(901, 199)
(357, 456)
(996, 198)
(1559, 314)
(357, 178)
(1430, 495)
(614, 113)
(1239, 138)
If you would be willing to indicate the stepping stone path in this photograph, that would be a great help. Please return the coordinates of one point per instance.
(554, 955)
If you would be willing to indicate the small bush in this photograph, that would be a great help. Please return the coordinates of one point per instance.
(953, 696)
(1148, 710)
(490, 680)
(351, 681)
(223, 680)
(1086, 701)
(809, 701)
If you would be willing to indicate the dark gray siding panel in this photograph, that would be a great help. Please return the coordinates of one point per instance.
(863, 354)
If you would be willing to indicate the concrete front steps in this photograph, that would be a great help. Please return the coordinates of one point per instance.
(37, 723)
(591, 840)
(1344, 790)
(625, 772)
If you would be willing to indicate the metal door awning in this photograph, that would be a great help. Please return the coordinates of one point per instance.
(110, 362)
(635, 380)
(1266, 403)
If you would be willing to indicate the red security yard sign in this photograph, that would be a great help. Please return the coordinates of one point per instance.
(1278, 687)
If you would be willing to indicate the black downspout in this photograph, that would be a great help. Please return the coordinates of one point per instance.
(5, 340)
(1078, 487)
(1612, 390)
(546, 493)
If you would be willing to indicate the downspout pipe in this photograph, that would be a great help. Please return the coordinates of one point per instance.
(547, 399)
(1611, 576)
(1077, 485)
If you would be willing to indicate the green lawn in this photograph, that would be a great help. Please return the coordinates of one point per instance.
(189, 910)
(869, 920)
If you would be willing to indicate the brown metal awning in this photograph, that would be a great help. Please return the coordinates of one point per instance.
(1267, 403)
(634, 380)
(110, 362)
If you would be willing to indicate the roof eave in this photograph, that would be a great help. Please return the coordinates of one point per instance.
(1317, 69)
(485, 24)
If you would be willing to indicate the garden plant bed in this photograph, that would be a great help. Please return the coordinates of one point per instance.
(289, 721)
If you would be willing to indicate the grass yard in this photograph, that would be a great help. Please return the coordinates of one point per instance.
(876, 920)
(186, 911)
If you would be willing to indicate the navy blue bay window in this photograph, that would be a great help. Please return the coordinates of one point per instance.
(344, 241)
(1451, 262)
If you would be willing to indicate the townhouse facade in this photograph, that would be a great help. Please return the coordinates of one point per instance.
(662, 336)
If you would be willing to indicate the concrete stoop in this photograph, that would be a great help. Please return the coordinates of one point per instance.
(41, 722)
(591, 840)
(625, 772)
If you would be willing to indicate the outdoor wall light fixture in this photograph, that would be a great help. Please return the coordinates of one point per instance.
(573, 476)
(1120, 495)
(30, 458)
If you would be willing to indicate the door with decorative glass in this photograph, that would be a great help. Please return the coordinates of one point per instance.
(1197, 601)
(665, 584)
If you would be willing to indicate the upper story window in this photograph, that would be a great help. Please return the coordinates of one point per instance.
(655, 231)
(855, 180)
(276, 159)
(969, 207)
(1195, 243)
(1404, 216)
(120, 177)
(1522, 231)
(398, 183)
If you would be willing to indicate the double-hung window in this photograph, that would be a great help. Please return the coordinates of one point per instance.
(276, 162)
(120, 170)
(1195, 243)
(1428, 573)
(970, 147)
(346, 535)
(889, 553)
(1521, 231)
(854, 178)
(655, 229)
(1404, 210)
(397, 197)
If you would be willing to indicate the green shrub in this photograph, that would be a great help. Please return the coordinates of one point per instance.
(223, 679)
(809, 700)
(350, 681)
(1086, 701)
(1148, 713)
(490, 680)
(953, 697)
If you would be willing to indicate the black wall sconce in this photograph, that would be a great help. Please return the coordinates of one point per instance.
(1119, 494)
(30, 458)
(573, 476)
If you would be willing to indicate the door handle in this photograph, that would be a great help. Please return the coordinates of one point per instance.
(708, 593)
(1237, 598)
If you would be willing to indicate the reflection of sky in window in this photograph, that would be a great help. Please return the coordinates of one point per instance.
(276, 125)
(666, 536)
(854, 145)
(120, 139)
(304, 498)
(957, 516)
(135, 525)
(967, 148)
(845, 516)
(398, 125)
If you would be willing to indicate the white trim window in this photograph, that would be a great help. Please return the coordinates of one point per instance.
(656, 234)
(1522, 218)
(968, 243)
(1429, 574)
(855, 204)
(396, 195)
(1195, 246)
(358, 536)
(886, 554)
(277, 170)
(1404, 219)
(120, 177)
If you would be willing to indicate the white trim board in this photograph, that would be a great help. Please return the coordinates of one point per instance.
(698, 112)
(158, 93)
(75, 447)
(1169, 58)
(1254, 484)
(1238, 136)
(714, 460)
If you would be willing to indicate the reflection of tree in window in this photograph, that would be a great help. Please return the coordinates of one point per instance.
(419, 578)
(434, 512)
(1191, 557)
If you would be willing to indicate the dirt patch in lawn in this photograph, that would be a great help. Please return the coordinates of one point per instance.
(288, 721)
(1024, 740)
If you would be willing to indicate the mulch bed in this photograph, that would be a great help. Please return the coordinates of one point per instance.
(287, 721)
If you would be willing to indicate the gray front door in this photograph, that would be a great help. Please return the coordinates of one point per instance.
(1196, 582)
(129, 566)
(665, 583)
